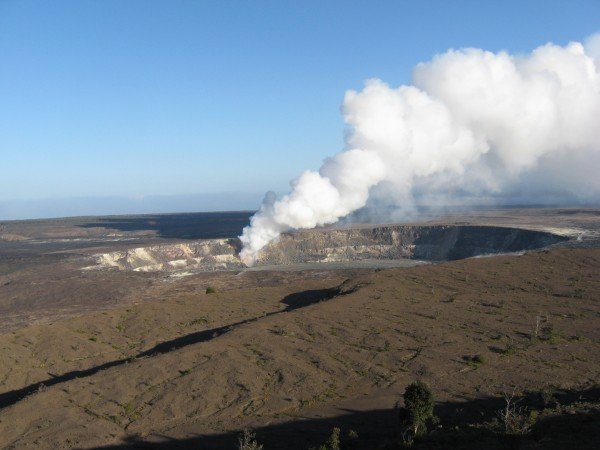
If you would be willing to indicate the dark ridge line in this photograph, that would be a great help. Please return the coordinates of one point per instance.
(292, 301)
(199, 225)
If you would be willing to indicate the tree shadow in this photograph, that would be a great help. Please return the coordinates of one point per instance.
(293, 302)
(307, 298)
(214, 225)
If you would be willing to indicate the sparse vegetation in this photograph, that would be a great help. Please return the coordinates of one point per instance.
(474, 361)
(547, 396)
(247, 441)
(198, 321)
(549, 335)
(510, 349)
(333, 442)
(538, 321)
(211, 290)
(516, 420)
(279, 331)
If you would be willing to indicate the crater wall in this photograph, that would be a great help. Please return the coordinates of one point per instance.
(427, 243)
(389, 242)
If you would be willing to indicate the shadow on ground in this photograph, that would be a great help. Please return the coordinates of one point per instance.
(293, 301)
(182, 226)
(463, 425)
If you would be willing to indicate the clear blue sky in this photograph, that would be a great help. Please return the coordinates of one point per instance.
(140, 98)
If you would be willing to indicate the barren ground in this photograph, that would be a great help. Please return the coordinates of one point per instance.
(110, 359)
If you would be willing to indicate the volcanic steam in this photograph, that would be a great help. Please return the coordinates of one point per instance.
(473, 125)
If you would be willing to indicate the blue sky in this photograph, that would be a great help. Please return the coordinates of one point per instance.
(177, 98)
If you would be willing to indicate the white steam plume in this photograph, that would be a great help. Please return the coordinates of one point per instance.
(473, 122)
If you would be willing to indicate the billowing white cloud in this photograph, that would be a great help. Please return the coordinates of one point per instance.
(472, 124)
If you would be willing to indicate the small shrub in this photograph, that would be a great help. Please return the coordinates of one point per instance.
(474, 361)
(247, 441)
(516, 420)
(279, 331)
(198, 321)
(547, 396)
(545, 333)
(549, 334)
(536, 331)
(511, 348)
(333, 443)
(418, 408)
(478, 359)
(210, 290)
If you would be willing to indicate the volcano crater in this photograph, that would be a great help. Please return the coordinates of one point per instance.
(418, 243)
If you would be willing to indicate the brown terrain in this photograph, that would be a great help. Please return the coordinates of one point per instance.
(145, 332)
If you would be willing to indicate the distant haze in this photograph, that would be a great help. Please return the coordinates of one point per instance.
(93, 206)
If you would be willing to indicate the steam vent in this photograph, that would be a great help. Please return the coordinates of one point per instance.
(391, 242)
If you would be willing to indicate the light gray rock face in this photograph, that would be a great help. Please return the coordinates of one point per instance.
(206, 255)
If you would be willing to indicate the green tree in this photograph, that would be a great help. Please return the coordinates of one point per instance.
(418, 407)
